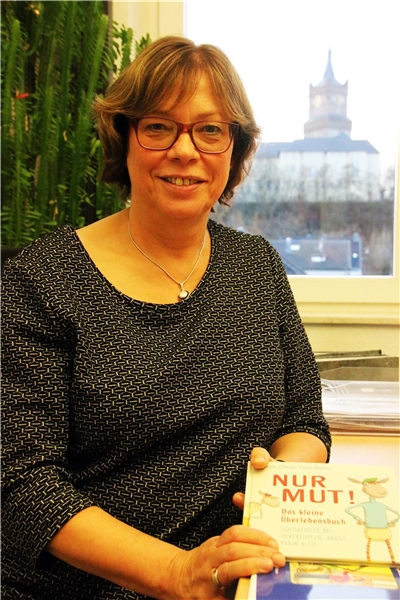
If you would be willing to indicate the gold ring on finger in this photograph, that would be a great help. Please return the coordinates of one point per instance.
(216, 580)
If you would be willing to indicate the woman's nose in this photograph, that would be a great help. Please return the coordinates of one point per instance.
(183, 147)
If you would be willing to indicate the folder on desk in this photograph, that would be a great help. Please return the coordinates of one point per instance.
(360, 401)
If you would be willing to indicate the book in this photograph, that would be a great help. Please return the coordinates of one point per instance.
(298, 581)
(321, 512)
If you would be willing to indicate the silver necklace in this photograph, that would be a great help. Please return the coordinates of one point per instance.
(183, 294)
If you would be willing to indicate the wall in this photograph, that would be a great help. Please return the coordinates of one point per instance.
(340, 337)
(156, 18)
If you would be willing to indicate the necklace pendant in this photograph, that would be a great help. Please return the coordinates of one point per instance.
(183, 294)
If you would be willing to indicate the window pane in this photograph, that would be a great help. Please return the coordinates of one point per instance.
(322, 78)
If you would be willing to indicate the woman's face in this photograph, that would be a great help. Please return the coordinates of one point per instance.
(180, 182)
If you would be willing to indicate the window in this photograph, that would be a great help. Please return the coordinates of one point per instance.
(322, 187)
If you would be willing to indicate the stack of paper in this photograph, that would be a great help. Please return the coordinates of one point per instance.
(362, 406)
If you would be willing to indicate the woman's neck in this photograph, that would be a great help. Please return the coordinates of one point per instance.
(176, 237)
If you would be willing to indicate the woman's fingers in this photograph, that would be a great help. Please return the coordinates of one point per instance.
(240, 542)
(259, 458)
(240, 534)
(238, 500)
(229, 572)
(243, 551)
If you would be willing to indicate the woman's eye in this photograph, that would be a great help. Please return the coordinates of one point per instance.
(157, 127)
(211, 128)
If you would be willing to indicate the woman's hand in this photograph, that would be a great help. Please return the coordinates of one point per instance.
(239, 552)
(259, 459)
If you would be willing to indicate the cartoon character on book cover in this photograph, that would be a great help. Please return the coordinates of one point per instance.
(254, 509)
(376, 522)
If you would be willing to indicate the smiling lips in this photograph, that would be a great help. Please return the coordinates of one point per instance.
(182, 180)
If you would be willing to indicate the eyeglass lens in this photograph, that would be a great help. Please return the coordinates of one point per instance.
(207, 136)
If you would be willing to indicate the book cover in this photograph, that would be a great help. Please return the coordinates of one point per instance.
(322, 512)
(298, 581)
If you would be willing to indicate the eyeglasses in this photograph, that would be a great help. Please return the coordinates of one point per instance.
(211, 137)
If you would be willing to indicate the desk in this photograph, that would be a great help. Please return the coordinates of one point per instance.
(364, 449)
(350, 450)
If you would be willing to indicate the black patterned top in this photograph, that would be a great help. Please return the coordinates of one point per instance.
(148, 411)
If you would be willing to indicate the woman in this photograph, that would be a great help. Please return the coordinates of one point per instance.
(146, 356)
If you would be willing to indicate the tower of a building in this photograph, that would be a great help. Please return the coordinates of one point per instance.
(328, 107)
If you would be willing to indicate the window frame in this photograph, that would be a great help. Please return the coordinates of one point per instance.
(353, 299)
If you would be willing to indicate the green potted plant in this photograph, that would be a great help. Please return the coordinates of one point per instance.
(56, 56)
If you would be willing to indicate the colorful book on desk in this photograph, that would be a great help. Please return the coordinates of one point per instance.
(301, 581)
(326, 512)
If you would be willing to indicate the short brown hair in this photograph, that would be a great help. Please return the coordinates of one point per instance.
(146, 85)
